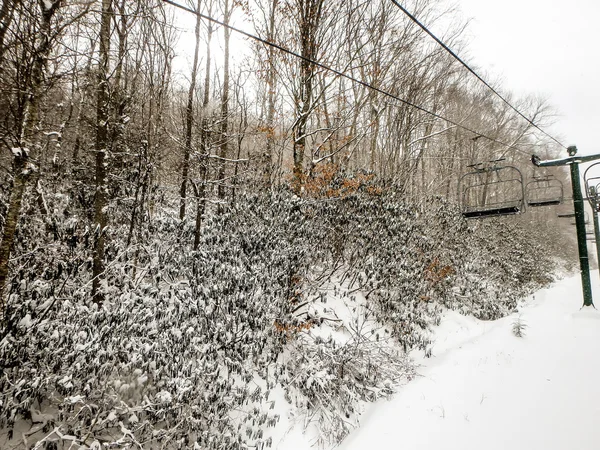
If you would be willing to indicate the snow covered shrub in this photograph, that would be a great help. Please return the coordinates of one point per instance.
(501, 264)
(181, 351)
(188, 345)
(329, 380)
(409, 260)
(388, 250)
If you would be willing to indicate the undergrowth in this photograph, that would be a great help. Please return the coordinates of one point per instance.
(188, 345)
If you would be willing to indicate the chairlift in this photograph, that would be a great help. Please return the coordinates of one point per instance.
(593, 194)
(571, 215)
(544, 191)
(591, 189)
(594, 197)
(490, 190)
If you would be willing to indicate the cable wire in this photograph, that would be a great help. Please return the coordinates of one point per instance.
(466, 66)
(343, 75)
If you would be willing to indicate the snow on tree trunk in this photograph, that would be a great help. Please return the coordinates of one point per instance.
(102, 144)
(224, 106)
(309, 21)
(22, 168)
(189, 121)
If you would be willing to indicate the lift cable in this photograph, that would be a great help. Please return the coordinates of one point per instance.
(466, 66)
(344, 75)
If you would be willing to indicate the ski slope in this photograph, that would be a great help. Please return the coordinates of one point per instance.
(485, 388)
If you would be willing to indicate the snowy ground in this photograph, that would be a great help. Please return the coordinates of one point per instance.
(486, 388)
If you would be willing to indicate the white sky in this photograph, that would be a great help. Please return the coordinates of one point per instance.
(545, 47)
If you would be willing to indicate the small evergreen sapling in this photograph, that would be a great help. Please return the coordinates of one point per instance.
(519, 327)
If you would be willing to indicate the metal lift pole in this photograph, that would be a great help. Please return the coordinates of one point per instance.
(584, 261)
(578, 204)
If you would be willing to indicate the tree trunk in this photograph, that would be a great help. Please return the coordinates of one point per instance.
(224, 109)
(200, 205)
(102, 144)
(200, 192)
(189, 121)
(20, 174)
(241, 133)
(271, 86)
(82, 102)
(6, 16)
(118, 97)
(309, 12)
(299, 135)
(22, 168)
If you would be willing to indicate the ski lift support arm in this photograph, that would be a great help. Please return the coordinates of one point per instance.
(573, 161)
(563, 161)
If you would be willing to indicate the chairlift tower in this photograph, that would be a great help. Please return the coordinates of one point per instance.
(573, 161)
(593, 195)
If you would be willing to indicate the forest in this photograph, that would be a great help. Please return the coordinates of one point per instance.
(179, 200)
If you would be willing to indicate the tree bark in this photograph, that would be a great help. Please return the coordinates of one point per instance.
(6, 16)
(200, 191)
(271, 86)
(22, 168)
(309, 16)
(223, 147)
(102, 148)
(189, 121)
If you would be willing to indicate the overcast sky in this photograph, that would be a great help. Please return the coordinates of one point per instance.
(544, 47)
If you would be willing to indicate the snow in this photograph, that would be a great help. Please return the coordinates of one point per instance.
(19, 151)
(484, 387)
(74, 399)
(25, 322)
(164, 397)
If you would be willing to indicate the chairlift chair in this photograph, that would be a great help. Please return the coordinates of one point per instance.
(544, 191)
(571, 215)
(491, 190)
(593, 193)
(591, 184)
